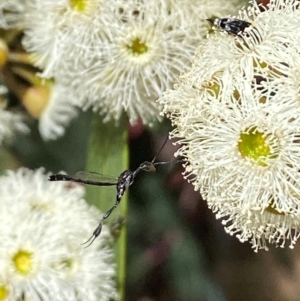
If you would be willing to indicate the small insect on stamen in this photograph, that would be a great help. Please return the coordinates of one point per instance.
(122, 182)
(230, 25)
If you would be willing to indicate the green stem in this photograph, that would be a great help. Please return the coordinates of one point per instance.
(108, 155)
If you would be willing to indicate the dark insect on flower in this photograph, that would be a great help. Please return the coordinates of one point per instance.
(230, 25)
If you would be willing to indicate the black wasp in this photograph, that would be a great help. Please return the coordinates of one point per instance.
(122, 182)
(230, 25)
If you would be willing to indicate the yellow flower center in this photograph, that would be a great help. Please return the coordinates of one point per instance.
(4, 292)
(137, 47)
(23, 262)
(254, 145)
(79, 5)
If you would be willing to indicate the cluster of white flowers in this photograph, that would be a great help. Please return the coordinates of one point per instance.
(237, 114)
(118, 55)
(42, 224)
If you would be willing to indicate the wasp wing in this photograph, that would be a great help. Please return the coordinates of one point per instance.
(94, 178)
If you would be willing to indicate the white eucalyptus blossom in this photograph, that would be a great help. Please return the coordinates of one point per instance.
(246, 149)
(236, 114)
(151, 44)
(118, 55)
(57, 33)
(42, 226)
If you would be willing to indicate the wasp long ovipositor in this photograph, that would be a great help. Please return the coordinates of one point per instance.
(230, 25)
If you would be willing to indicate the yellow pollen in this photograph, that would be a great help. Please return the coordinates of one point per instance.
(4, 292)
(23, 262)
(253, 145)
(137, 47)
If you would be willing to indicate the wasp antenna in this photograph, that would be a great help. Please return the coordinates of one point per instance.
(179, 161)
(169, 162)
(211, 21)
(160, 150)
